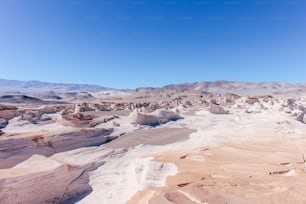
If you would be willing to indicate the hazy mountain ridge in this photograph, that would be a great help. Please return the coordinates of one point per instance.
(235, 87)
(9, 86)
(241, 88)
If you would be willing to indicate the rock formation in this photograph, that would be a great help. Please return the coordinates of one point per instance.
(215, 109)
(155, 118)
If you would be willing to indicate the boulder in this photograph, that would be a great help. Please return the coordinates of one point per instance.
(49, 110)
(102, 107)
(3, 123)
(116, 124)
(218, 110)
(214, 102)
(252, 100)
(86, 109)
(155, 118)
(16, 150)
(9, 114)
(80, 116)
(45, 117)
(300, 117)
(31, 181)
(79, 119)
(302, 108)
(228, 101)
(31, 116)
(291, 102)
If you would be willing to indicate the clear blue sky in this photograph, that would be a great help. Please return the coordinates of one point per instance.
(132, 43)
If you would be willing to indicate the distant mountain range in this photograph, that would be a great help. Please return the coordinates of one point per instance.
(14, 86)
(240, 88)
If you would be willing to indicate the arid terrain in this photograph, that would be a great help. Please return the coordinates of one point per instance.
(206, 142)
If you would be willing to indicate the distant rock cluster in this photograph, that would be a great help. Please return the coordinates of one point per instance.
(154, 118)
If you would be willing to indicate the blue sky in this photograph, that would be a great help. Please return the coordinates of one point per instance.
(132, 43)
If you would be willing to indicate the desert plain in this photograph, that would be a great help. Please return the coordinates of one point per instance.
(220, 142)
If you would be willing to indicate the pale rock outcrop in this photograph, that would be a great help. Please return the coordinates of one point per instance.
(51, 109)
(84, 107)
(45, 117)
(287, 110)
(37, 180)
(115, 124)
(68, 110)
(155, 118)
(83, 138)
(296, 112)
(14, 151)
(102, 107)
(291, 102)
(227, 101)
(302, 108)
(214, 102)
(36, 116)
(31, 116)
(79, 119)
(252, 100)
(217, 110)
(9, 114)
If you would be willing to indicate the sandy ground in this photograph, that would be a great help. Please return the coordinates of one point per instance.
(272, 172)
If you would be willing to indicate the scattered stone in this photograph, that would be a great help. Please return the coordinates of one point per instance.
(279, 172)
(183, 184)
(184, 156)
(248, 111)
(285, 163)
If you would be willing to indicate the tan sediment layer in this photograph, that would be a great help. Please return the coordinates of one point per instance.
(238, 173)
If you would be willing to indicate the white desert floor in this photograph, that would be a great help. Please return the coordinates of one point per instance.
(240, 157)
(267, 134)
